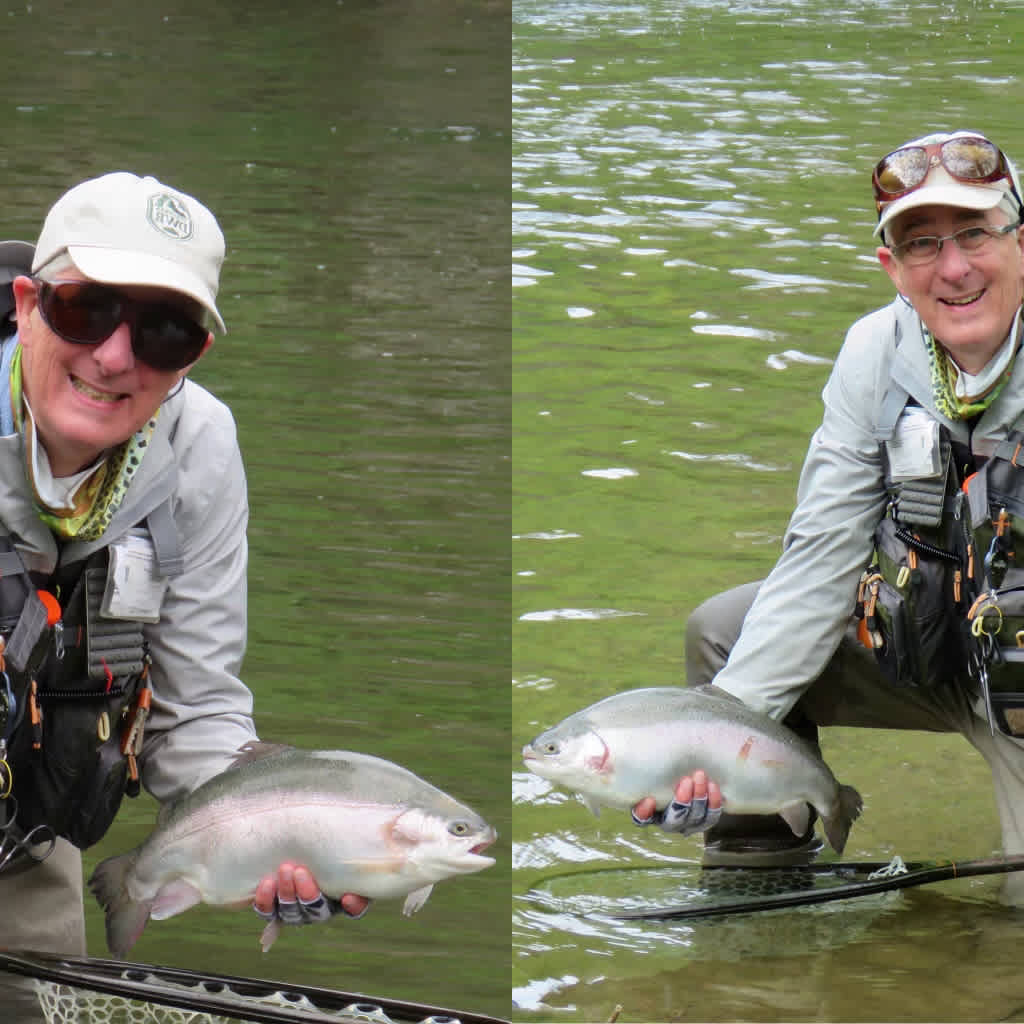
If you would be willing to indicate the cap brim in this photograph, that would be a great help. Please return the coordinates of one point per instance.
(121, 266)
(15, 259)
(968, 197)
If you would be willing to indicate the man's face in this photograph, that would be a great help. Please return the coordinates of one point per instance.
(966, 300)
(86, 399)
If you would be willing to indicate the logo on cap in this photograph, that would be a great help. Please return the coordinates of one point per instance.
(169, 215)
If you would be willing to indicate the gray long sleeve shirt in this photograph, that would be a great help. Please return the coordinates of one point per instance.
(802, 609)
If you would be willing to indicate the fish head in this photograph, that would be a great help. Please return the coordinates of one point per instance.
(574, 756)
(439, 845)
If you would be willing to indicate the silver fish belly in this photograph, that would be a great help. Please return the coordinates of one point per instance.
(641, 742)
(360, 824)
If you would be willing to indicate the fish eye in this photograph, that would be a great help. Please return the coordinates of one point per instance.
(459, 828)
(551, 747)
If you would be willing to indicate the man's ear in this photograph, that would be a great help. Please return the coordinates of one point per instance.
(891, 266)
(26, 299)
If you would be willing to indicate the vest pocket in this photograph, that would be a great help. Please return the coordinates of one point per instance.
(908, 600)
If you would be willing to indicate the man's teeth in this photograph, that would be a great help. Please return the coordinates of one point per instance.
(965, 301)
(91, 392)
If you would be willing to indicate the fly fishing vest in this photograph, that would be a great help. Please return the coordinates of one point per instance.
(942, 600)
(74, 696)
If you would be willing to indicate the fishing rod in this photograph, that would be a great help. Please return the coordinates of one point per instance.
(883, 878)
(250, 999)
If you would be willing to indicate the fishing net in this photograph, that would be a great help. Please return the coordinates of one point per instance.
(62, 1004)
(47, 988)
(65, 1004)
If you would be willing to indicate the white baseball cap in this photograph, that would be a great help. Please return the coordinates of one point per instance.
(123, 229)
(940, 188)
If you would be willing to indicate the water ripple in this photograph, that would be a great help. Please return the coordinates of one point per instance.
(734, 331)
(613, 473)
(782, 360)
(553, 614)
(792, 282)
(734, 459)
(549, 850)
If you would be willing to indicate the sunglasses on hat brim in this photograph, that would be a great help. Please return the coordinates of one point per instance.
(87, 313)
(971, 159)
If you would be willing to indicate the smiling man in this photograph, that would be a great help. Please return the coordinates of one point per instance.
(123, 553)
(910, 511)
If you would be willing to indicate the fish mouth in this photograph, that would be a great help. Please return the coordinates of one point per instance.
(483, 844)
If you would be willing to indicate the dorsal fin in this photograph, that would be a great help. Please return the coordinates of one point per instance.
(257, 750)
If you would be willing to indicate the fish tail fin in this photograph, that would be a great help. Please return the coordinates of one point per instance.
(845, 812)
(125, 917)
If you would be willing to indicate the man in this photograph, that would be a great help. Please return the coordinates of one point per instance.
(110, 458)
(915, 460)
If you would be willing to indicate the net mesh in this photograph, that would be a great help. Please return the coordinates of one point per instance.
(62, 1004)
(65, 1004)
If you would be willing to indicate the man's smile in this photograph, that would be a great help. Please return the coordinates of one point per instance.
(965, 301)
(90, 392)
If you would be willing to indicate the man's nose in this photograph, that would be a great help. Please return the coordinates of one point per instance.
(952, 260)
(115, 355)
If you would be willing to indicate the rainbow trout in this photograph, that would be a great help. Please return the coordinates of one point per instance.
(641, 742)
(359, 823)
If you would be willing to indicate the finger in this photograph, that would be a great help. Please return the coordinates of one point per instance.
(644, 812)
(286, 883)
(264, 902)
(714, 796)
(354, 906)
(686, 787)
(306, 888)
(700, 785)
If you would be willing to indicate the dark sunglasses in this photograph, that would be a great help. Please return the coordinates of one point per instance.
(971, 159)
(86, 313)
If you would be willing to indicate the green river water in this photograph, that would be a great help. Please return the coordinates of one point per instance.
(692, 227)
(357, 155)
(480, 503)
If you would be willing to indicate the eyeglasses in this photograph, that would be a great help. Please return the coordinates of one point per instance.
(971, 159)
(86, 313)
(925, 248)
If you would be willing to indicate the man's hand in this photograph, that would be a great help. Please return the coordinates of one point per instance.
(293, 897)
(696, 806)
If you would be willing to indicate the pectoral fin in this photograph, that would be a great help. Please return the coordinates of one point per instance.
(591, 805)
(174, 898)
(416, 899)
(269, 934)
(797, 816)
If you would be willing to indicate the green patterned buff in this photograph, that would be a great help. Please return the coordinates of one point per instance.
(944, 376)
(100, 495)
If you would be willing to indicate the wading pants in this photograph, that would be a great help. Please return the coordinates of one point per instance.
(853, 692)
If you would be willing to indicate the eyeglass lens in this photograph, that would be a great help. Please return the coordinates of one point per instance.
(969, 159)
(87, 314)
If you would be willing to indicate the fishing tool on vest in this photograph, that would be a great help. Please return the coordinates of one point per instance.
(917, 583)
(74, 686)
(996, 617)
(17, 847)
(74, 698)
(942, 600)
